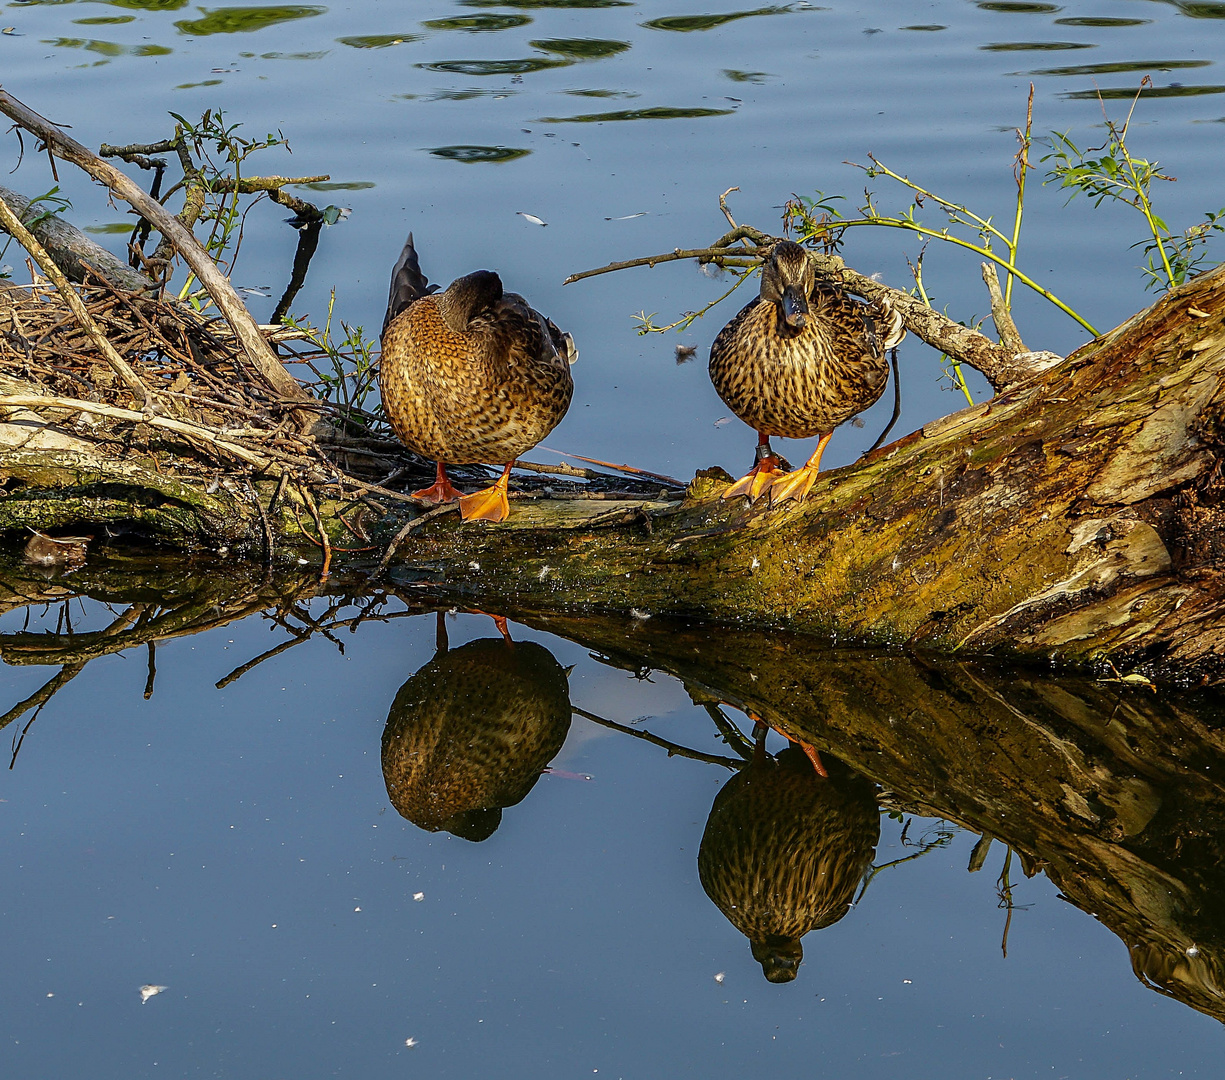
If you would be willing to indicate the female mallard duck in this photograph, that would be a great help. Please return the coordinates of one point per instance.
(798, 361)
(785, 849)
(470, 374)
(471, 732)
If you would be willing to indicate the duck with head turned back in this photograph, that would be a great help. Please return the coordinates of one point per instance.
(470, 374)
(798, 361)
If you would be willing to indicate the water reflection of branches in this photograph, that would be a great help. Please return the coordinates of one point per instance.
(937, 835)
(206, 603)
(674, 749)
(1003, 887)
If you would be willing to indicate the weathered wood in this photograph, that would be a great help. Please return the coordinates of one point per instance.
(262, 358)
(1073, 518)
(74, 252)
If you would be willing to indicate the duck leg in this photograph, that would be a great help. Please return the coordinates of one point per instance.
(488, 504)
(759, 738)
(795, 485)
(765, 470)
(441, 490)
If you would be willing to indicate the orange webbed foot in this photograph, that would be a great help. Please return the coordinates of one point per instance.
(488, 504)
(796, 485)
(441, 490)
(766, 470)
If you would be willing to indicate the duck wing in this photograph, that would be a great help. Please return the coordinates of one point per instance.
(511, 335)
(408, 283)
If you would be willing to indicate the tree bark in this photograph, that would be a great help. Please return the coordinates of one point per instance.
(1075, 518)
(74, 252)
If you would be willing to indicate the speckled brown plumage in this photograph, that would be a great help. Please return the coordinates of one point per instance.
(784, 851)
(471, 732)
(797, 382)
(470, 374)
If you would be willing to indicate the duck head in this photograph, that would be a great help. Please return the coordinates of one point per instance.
(468, 296)
(787, 280)
(779, 957)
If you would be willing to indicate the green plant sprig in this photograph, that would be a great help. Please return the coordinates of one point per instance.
(955, 376)
(647, 324)
(909, 222)
(354, 370)
(1118, 174)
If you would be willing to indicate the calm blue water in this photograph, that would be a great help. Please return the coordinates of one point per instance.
(238, 846)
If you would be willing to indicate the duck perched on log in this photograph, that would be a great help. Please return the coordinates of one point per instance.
(470, 374)
(798, 361)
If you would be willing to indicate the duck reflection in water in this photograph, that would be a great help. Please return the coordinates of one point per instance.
(784, 850)
(471, 732)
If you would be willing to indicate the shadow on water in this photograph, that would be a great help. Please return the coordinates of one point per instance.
(1115, 793)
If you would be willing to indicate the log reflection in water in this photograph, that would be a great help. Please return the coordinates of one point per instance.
(784, 851)
(1115, 793)
(472, 731)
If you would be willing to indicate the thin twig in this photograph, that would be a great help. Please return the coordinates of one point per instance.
(438, 511)
(710, 254)
(723, 206)
(27, 240)
(622, 468)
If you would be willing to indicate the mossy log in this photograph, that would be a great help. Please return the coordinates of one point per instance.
(1073, 517)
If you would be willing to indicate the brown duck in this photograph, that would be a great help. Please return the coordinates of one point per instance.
(798, 361)
(471, 732)
(785, 849)
(470, 374)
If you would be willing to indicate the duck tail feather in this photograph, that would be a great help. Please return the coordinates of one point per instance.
(408, 283)
(891, 328)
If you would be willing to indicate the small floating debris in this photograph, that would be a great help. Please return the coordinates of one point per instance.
(410, 1041)
(149, 991)
(722, 421)
(531, 217)
(562, 774)
(720, 976)
(685, 353)
(626, 217)
(418, 896)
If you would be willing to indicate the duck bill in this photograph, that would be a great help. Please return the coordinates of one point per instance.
(795, 307)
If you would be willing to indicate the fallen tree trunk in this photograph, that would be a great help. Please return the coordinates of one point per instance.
(1074, 517)
(74, 252)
